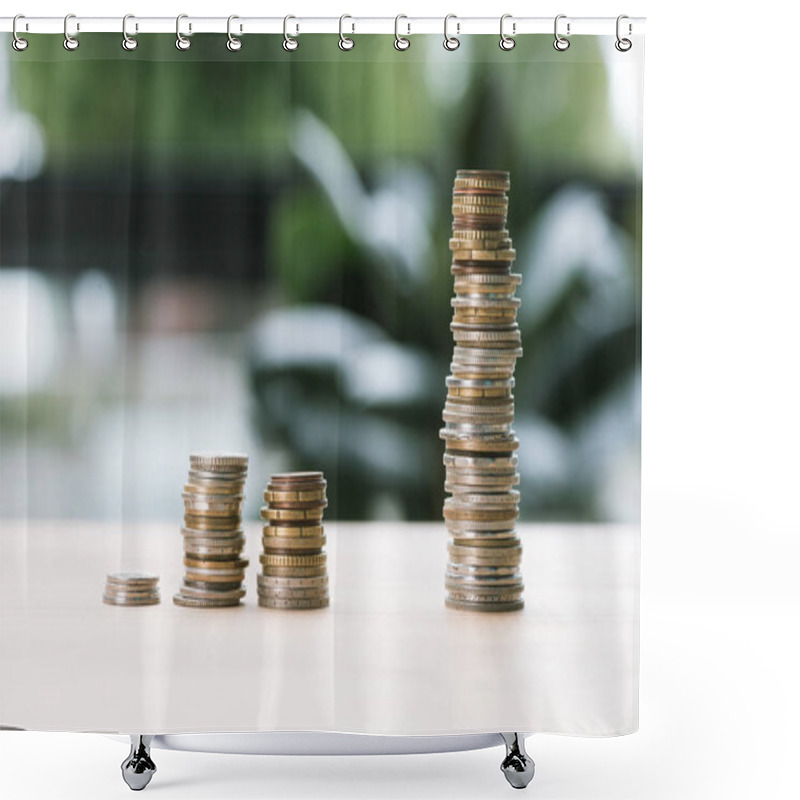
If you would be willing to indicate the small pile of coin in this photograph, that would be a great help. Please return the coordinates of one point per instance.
(481, 463)
(213, 537)
(131, 589)
(294, 564)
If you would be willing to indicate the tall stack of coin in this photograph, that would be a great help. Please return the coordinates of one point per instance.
(213, 537)
(483, 571)
(294, 563)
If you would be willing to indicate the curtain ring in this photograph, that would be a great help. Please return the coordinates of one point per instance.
(560, 43)
(506, 42)
(400, 42)
(345, 42)
(181, 42)
(19, 44)
(234, 44)
(623, 45)
(128, 42)
(451, 42)
(289, 42)
(70, 42)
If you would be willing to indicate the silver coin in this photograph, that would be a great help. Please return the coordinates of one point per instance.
(481, 536)
(132, 578)
(277, 582)
(210, 551)
(116, 600)
(208, 572)
(482, 571)
(115, 591)
(293, 604)
(462, 605)
(457, 526)
(203, 602)
(455, 580)
(479, 383)
(488, 463)
(192, 591)
(474, 500)
(218, 477)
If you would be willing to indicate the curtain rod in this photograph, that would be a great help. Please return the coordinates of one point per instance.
(403, 26)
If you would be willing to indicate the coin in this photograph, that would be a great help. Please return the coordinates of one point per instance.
(238, 563)
(190, 601)
(293, 603)
(127, 579)
(292, 531)
(293, 561)
(125, 600)
(281, 543)
(215, 594)
(463, 605)
(213, 461)
(280, 582)
(291, 514)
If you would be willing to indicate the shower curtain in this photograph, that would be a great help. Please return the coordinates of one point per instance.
(248, 253)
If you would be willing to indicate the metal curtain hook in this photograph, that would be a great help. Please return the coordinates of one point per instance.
(506, 42)
(400, 42)
(451, 42)
(128, 42)
(560, 43)
(70, 42)
(623, 45)
(19, 44)
(345, 42)
(233, 44)
(289, 42)
(181, 42)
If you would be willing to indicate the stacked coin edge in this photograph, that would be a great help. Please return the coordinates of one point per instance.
(483, 570)
(131, 589)
(294, 573)
(213, 536)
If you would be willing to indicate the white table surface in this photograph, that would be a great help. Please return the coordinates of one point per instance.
(386, 658)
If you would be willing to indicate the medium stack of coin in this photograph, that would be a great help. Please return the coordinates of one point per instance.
(294, 564)
(131, 589)
(483, 571)
(213, 537)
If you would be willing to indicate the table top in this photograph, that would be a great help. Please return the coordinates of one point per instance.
(387, 657)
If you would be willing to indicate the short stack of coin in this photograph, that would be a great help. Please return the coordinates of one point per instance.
(294, 564)
(213, 537)
(131, 589)
(483, 571)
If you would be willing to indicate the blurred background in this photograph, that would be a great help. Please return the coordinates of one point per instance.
(249, 251)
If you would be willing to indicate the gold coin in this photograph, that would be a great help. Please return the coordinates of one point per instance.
(213, 489)
(283, 478)
(237, 563)
(294, 572)
(204, 602)
(288, 514)
(480, 606)
(286, 543)
(120, 600)
(484, 255)
(313, 560)
(292, 531)
(293, 496)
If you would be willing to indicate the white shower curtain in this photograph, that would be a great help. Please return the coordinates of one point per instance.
(248, 252)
